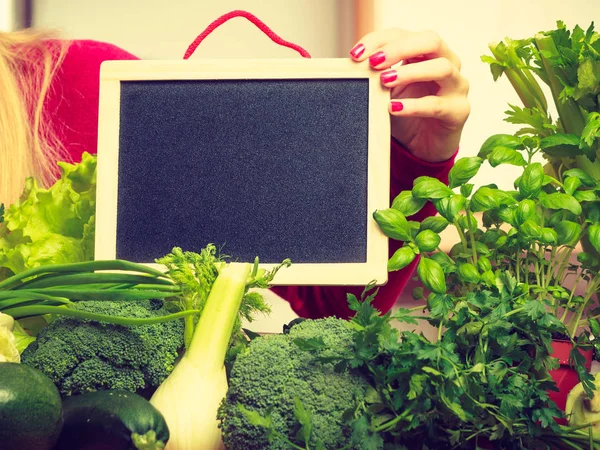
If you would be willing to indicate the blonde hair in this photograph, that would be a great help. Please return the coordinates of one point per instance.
(28, 145)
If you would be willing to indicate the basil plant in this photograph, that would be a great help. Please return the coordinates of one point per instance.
(520, 241)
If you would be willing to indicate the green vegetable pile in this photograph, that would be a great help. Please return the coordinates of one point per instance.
(483, 384)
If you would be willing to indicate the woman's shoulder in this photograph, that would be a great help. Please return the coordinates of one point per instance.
(91, 53)
(72, 102)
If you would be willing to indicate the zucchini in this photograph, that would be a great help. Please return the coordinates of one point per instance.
(30, 408)
(111, 420)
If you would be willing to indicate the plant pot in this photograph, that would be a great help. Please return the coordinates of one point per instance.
(565, 376)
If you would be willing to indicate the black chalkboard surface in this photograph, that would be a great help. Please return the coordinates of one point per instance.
(275, 167)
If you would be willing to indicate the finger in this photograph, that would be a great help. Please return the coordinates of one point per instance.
(390, 47)
(452, 110)
(439, 70)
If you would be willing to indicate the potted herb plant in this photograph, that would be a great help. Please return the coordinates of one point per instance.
(520, 240)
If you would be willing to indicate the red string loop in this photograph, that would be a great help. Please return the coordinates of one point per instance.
(252, 18)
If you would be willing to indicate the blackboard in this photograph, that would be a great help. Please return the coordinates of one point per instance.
(284, 166)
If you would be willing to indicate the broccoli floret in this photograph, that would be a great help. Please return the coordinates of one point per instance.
(273, 371)
(82, 355)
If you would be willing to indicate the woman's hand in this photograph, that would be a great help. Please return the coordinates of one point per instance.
(429, 104)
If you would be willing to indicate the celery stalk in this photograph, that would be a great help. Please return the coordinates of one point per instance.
(569, 113)
(525, 85)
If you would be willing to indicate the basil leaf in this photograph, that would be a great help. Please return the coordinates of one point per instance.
(463, 170)
(393, 224)
(437, 224)
(525, 210)
(560, 200)
(401, 258)
(505, 155)
(450, 207)
(431, 188)
(532, 179)
(504, 140)
(427, 241)
(468, 273)
(466, 189)
(432, 275)
(594, 236)
(407, 204)
(568, 232)
(585, 178)
(571, 185)
(486, 198)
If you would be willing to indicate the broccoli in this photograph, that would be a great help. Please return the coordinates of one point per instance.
(82, 355)
(273, 373)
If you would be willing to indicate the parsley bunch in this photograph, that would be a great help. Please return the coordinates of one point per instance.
(483, 384)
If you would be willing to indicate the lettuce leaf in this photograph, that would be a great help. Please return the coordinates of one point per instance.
(51, 226)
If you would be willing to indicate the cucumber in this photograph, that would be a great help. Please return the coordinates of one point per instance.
(111, 420)
(30, 408)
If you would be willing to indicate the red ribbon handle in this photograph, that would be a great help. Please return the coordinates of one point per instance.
(252, 18)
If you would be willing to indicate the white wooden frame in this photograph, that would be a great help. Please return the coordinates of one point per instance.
(114, 72)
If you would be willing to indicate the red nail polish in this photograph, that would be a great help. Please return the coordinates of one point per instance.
(377, 58)
(397, 106)
(389, 76)
(357, 51)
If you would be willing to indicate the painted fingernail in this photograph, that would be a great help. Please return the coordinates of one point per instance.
(377, 58)
(357, 51)
(389, 76)
(397, 106)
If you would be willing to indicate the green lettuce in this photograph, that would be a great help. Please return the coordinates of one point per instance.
(54, 225)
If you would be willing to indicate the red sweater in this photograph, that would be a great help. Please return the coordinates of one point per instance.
(73, 105)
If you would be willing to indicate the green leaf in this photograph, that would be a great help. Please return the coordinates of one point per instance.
(585, 178)
(506, 155)
(466, 189)
(431, 189)
(407, 204)
(463, 170)
(530, 230)
(594, 236)
(526, 209)
(255, 418)
(560, 200)
(450, 207)
(436, 224)
(432, 275)
(585, 196)
(416, 385)
(443, 260)
(401, 258)
(304, 418)
(532, 180)
(568, 232)
(486, 198)
(404, 315)
(534, 309)
(499, 140)
(468, 273)
(571, 185)
(559, 139)
(393, 224)
(427, 240)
